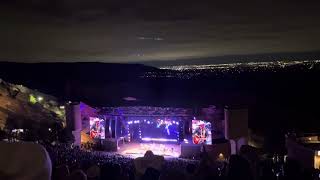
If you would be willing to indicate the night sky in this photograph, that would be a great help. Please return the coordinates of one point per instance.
(144, 30)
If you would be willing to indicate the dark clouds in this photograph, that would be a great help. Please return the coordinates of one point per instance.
(111, 31)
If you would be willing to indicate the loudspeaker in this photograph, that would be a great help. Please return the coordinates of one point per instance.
(109, 145)
(190, 150)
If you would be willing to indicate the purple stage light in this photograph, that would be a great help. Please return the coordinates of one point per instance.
(159, 139)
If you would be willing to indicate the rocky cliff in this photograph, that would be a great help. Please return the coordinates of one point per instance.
(21, 107)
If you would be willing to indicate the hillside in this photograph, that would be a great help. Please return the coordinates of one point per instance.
(97, 84)
(21, 107)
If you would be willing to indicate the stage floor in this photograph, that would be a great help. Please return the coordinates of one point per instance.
(135, 150)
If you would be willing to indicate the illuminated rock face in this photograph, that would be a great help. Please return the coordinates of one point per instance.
(17, 111)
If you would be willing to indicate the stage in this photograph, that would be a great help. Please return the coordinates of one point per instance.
(135, 150)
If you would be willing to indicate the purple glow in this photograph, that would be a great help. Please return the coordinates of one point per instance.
(159, 139)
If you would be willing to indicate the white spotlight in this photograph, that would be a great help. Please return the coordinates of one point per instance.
(40, 98)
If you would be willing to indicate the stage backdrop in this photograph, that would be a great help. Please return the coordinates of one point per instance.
(160, 129)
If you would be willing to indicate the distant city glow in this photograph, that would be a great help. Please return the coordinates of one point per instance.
(150, 38)
(232, 65)
(193, 71)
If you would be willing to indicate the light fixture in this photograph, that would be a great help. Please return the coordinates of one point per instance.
(159, 139)
(39, 98)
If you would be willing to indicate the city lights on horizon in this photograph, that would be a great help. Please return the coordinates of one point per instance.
(230, 65)
(196, 71)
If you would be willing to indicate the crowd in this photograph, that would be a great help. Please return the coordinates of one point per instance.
(64, 156)
(66, 159)
(67, 162)
(72, 161)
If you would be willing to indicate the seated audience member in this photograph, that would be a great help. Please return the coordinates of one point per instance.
(61, 172)
(190, 171)
(148, 161)
(150, 174)
(93, 172)
(24, 161)
(292, 169)
(77, 175)
(172, 175)
(239, 168)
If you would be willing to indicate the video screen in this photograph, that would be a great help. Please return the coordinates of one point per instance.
(201, 132)
(160, 128)
(154, 129)
(97, 128)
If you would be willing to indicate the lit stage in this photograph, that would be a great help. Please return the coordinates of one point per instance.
(138, 149)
